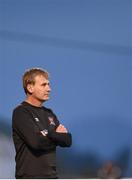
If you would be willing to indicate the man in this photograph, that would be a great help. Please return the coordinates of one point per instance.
(36, 129)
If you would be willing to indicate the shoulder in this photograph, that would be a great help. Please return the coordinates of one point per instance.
(19, 108)
(20, 113)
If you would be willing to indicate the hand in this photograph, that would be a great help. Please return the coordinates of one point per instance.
(61, 129)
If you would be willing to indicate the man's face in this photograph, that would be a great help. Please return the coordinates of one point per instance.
(41, 89)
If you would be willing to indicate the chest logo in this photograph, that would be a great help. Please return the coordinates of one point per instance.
(51, 121)
(36, 119)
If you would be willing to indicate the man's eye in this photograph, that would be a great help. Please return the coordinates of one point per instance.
(45, 84)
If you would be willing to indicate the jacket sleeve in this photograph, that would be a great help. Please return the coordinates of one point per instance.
(24, 126)
(61, 139)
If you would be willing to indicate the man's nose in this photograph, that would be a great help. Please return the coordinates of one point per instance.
(49, 88)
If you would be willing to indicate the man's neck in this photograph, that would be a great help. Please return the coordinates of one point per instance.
(34, 102)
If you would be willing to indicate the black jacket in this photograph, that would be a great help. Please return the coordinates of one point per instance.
(35, 141)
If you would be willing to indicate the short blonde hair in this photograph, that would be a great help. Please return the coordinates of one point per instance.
(30, 74)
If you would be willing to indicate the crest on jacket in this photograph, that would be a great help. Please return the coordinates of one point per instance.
(51, 120)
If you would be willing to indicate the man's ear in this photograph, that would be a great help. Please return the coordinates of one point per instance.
(30, 88)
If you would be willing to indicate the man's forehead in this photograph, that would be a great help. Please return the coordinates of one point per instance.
(41, 78)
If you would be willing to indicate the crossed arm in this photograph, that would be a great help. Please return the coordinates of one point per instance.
(25, 129)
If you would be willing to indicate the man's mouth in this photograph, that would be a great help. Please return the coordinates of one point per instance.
(46, 94)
